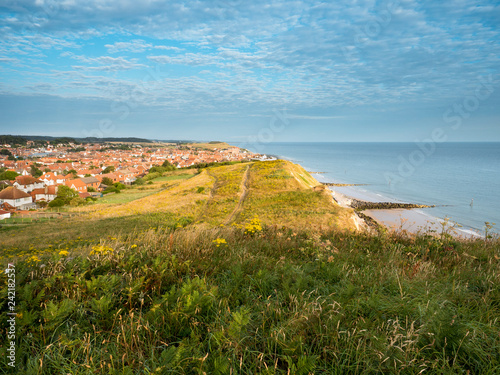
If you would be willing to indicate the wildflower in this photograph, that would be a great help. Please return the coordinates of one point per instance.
(63, 253)
(219, 241)
(254, 226)
(33, 259)
(98, 250)
(133, 246)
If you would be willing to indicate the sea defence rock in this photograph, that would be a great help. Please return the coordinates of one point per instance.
(334, 184)
(362, 205)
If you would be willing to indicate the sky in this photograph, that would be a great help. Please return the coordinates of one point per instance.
(251, 71)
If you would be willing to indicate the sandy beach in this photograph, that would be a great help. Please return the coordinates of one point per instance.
(410, 220)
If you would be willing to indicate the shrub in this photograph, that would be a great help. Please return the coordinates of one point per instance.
(119, 186)
(77, 201)
(139, 181)
(58, 202)
(111, 189)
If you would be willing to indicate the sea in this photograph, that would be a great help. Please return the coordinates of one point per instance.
(461, 179)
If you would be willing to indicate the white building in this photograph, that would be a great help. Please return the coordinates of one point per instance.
(28, 183)
(16, 198)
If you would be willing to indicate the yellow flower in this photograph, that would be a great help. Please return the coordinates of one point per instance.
(254, 226)
(133, 246)
(33, 259)
(63, 253)
(97, 250)
(219, 241)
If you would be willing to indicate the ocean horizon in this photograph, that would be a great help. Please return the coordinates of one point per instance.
(462, 179)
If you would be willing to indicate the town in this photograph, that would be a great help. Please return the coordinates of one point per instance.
(35, 174)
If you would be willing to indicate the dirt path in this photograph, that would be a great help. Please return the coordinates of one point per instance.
(244, 193)
(210, 195)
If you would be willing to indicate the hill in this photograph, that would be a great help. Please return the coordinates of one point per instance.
(21, 139)
(251, 269)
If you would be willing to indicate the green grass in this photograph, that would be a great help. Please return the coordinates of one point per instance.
(173, 177)
(169, 300)
(167, 290)
(22, 220)
(124, 196)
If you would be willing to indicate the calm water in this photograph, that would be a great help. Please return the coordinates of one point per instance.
(449, 175)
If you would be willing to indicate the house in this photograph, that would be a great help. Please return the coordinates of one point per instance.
(91, 182)
(7, 207)
(114, 176)
(47, 194)
(16, 198)
(128, 176)
(4, 214)
(51, 178)
(28, 183)
(77, 184)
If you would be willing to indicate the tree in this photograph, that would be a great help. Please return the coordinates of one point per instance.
(108, 169)
(4, 151)
(107, 181)
(168, 166)
(66, 194)
(73, 172)
(8, 175)
(35, 172)
(46, 170)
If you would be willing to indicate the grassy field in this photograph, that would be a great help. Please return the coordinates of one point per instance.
(208, 146)
(246, 269)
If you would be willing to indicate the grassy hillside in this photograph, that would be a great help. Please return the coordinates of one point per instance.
(279, 192)
(246, 269)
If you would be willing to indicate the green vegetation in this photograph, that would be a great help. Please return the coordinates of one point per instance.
(188, 301)
(108, 169)
(64, 141)
(214, 164)
(162, 286)
(35, 171)
(12, 140)
(8, 175)
(65, 195)
(76, 149)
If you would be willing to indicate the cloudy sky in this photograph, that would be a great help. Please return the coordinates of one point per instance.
(247, 71)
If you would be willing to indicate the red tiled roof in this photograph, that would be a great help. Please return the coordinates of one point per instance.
(27, 180)
(76, 182)
(13, 193)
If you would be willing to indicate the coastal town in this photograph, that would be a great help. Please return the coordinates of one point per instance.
(34, 174)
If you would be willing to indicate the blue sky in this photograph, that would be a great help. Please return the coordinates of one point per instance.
(254, 71)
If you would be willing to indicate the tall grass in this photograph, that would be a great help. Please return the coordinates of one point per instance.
(276, 301)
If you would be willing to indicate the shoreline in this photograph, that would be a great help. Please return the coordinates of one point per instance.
(395, 215)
